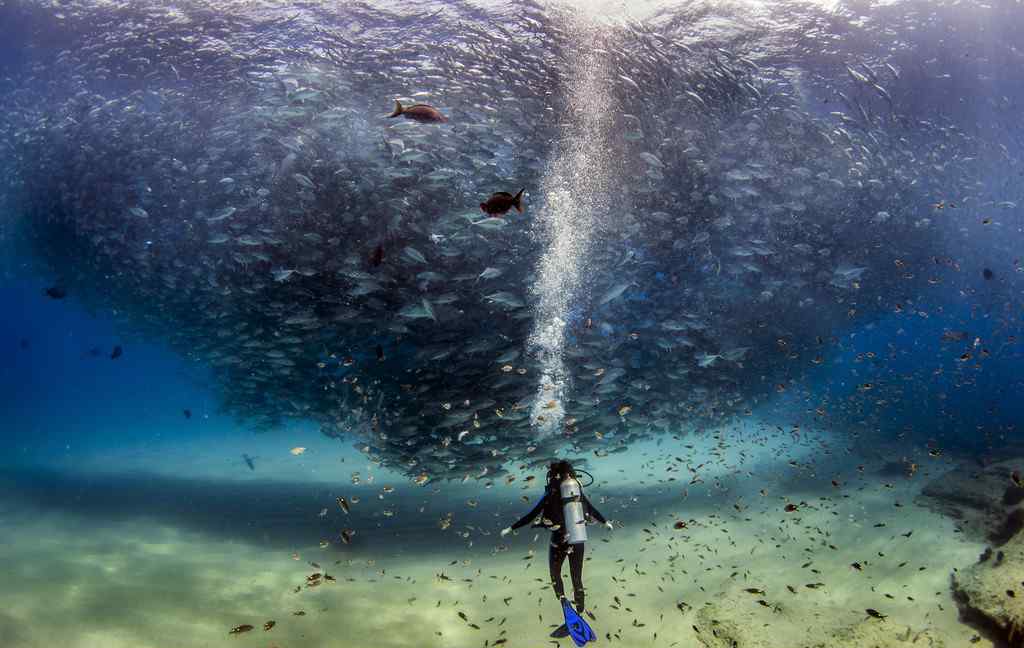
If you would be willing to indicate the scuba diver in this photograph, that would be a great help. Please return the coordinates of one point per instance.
(565, 510)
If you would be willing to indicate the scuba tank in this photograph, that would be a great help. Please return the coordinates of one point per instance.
(572, 508)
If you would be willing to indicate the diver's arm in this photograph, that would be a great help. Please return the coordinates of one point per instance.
(529, 517)
(593, 512)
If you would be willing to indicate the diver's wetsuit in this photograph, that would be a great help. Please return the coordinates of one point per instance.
(551, 507)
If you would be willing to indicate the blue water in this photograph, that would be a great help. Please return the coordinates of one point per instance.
(60, 400)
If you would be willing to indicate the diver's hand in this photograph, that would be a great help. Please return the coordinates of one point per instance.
(608, 525)
(506, 531)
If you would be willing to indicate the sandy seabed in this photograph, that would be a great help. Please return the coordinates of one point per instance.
(738, 572)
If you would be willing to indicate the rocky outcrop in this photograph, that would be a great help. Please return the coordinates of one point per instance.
(988, 502)
(984, 499)
(991, 592)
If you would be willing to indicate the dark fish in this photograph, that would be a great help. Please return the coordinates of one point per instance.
(954, 336)
(268, 625)
(24, 344)
(501, 201)
(343, 503)
(187, 413)
(95, 352)
(346, 535)
(55, 292)
(419, 112)
(875, 613)
(240, 629)
(377, 257)
(117, 352)
(988, 274)
(249, 462)
(1016, 479)
(790, 508)
(380, 352)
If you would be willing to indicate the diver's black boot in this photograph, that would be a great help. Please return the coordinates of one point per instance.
(580, 602)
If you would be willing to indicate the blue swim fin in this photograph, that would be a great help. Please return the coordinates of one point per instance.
(578, 628)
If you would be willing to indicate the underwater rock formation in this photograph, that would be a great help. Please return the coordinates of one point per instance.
(990, 593)
(985, 500)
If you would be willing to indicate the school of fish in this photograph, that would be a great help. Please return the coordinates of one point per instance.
(325, 211)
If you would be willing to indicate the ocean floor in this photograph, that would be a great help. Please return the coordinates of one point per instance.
(169, 559)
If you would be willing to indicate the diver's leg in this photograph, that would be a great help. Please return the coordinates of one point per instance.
(556, 556)
(576, 570)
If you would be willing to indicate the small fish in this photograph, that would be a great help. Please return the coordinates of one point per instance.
(790, 508)
(240, 629)
(377, 257)
(1016, 478)
(343, 503)
(297, 450)
(954, 336)
(249, 461)
(221, 214)
(268, 625)
(490, 223)
(187, 413)
(380, 353)
(614, 292)
(55, 292)
(489, 273)
(116, 353)
(420, 112)
(346, 535)
(871, 612)
(988, 274)
(501, 201)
